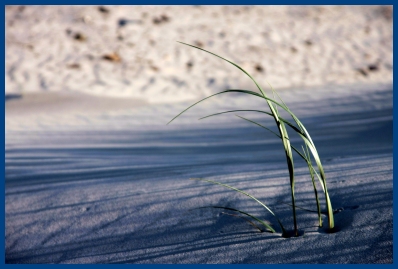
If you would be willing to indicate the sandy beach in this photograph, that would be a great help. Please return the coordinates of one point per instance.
(94, 175)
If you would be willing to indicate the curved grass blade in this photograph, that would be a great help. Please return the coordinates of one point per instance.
(237, 216)
(275, 92)
(236, 110)
(323, 180)
(303, 135)
(258, 124)
(290, 165)
(245, 193)
(225, 91)
(269, 227)
(234, 64)
(255, 94)
(262, 126)
(252, 110)
(245, 72)
(318, 206)
(274, 113)
(310, 165)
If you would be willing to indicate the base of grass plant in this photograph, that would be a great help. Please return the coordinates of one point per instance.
(326, 230)
(292, 233)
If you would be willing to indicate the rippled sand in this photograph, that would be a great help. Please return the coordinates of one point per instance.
(113, 186)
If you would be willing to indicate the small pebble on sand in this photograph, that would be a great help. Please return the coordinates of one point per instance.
(112, 57)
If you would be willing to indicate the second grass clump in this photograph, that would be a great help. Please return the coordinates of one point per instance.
(308, 150)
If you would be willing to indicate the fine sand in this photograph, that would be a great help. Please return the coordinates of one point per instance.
(61, 103)
(114, 187)
(131, 51)
(94, 175)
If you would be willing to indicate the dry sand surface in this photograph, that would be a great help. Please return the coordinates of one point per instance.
(61, 103)
(94, 175)
(132, 51)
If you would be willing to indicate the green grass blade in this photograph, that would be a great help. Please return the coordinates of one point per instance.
(262, 126)
(251, 93)
(234, 64)
(321, 177)
(269, 227)
(250, 222)
(252, 110)
(245, 193)
(226, 91)
(295, 149)
(290, 165)
(255, 82)
(318, 206)
(275, 92)
(323, 182)
(289, 160)
(258, 124)
(275, 107)
(295, 118)
(309, 164)
(246, 92)
(237, 110)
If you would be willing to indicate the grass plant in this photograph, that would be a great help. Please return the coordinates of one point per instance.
(282, 124)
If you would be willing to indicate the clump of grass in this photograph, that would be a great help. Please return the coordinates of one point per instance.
(283, 134)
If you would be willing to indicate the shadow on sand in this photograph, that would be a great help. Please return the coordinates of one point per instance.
(126, 199)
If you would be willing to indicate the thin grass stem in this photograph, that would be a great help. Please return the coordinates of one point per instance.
(245, 193)
(266, 225)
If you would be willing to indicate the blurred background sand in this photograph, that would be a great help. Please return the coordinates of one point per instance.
(131, 51)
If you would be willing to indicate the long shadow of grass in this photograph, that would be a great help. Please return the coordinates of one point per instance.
(198, 236)
(91, 163)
